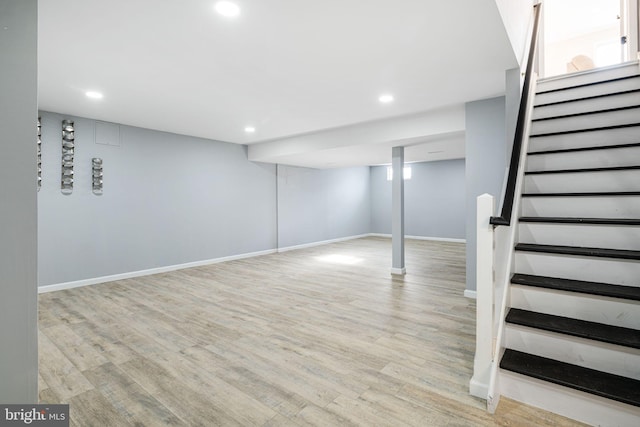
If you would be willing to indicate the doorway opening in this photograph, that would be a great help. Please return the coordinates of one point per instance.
(583, 34)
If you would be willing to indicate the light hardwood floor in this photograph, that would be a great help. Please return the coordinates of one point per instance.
(322, 336)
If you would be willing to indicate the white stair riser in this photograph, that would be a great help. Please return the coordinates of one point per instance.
(585, 159)
(589, 76)
(586, 105)
(570, 403)
(586, 91)
(587, 353)
(623, 180)
(629, 135)
(589, 121)
(592, 308)
(593, 269)
(582, 207)
(585, 235)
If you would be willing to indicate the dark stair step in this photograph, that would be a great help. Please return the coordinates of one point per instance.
(588, 84)
(591, 221)
(578, 328)
(594, 148)
(615, 387)
(581, 170)
(567, 132)
(580, 251)
(585, 194)
(586, 113)
(568, 285)
(604, 95)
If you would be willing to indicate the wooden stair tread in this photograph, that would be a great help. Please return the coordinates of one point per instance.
(577, 149)
(586, 98)
(580, 251)
(584, 170)
(586, 113)
(585, 194)
(567, 132)
(581, 286)
(599, 82)
(578, 328)
(574, 220)
(615, 387)
(599, 383)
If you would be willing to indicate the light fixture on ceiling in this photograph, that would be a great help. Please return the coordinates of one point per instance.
(249, 129)
(227, 8)
(94, 95)
(386, 98)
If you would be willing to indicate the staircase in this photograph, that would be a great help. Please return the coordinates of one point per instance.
(572, 334)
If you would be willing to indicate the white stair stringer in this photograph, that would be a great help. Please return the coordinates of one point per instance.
(578, 405)
(611, 358)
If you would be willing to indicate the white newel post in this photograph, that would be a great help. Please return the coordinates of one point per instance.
(479, 383)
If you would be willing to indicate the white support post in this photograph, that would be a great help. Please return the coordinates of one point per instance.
(479, 384)
(397, 212)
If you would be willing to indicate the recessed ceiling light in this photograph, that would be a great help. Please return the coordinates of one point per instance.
(93, 94)
(385, 99)
(249, 129)
(227, 8)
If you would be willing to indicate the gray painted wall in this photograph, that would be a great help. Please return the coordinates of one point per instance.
(486, 160)
(434, 200)
(316, 205)
(168, 199)
(18, 203)
(172, 199)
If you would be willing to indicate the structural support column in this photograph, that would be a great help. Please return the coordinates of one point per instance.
(18, 203)
(397, 211)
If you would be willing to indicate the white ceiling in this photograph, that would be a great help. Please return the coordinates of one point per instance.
(442, 147)
(286, 67)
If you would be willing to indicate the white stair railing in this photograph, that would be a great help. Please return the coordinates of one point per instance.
(479, 384)
(495, 247)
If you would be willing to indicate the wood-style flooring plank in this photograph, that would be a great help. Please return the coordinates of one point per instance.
(62, 376)
(92, 408)
(77, 350)
(193, 407)
(129, 399)
(323, 336)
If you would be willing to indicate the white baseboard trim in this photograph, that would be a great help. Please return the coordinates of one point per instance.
(320, 243)
(478, 388)
(398, 271)
(435, 239)
(140, 273)
(470, 294)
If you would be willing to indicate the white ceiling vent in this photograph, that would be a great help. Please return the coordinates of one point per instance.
(107, 133)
